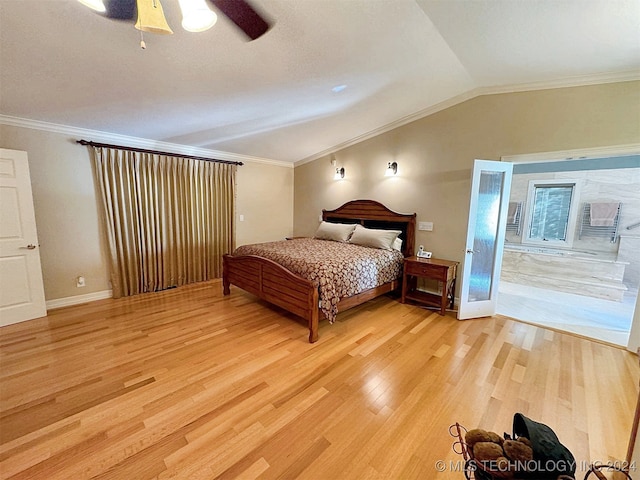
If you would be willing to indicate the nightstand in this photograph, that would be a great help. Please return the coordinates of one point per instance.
(444, 271)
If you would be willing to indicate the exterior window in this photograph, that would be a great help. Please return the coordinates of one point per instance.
(551, 213)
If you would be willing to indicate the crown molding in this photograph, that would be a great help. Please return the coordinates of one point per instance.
(575, 154)
(137, 142)
(567, 82)
(450, 102)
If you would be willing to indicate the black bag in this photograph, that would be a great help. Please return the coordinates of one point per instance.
(551, 458)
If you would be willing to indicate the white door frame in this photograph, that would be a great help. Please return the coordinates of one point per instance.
(22, 295)
(471, 308)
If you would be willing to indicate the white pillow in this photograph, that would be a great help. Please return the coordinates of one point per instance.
(338, 232)
(369, 237)
(397, 244)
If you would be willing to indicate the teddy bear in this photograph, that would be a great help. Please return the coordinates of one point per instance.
(479, 435)
(486, 452)
(497, 456)
(490, 457)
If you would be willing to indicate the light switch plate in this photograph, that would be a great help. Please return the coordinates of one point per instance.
(426, 226)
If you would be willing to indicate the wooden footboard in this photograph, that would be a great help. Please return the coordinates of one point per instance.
(274, 284)
(277, 285)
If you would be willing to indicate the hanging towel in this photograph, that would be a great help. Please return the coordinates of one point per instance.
(512, 212)
(603, 214)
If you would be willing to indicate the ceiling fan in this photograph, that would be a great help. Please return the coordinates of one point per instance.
(196, 16)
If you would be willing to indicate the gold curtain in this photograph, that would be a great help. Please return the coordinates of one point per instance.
(168, 219)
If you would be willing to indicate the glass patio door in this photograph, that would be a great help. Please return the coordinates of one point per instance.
(490, 187)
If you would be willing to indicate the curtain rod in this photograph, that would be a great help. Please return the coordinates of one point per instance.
(156, 152)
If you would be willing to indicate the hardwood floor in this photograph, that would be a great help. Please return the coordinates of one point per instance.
(190, 384)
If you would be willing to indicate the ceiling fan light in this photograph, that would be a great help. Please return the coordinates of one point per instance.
(196, 16)
(97, 5)
(151, 17)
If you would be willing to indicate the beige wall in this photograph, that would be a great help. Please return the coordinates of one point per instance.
(435, 154)
(265, 199)
(69, 232)
(66, 211)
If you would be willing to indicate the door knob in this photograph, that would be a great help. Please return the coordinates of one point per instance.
(470, 250)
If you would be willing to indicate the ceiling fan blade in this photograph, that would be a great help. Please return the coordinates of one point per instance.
(120, 9)
(244, 16)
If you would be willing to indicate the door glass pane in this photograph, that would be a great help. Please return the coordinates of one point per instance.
(484, 242)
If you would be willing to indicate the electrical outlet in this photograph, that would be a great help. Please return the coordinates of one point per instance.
(80, 281)
(241, 218)
(426, 226)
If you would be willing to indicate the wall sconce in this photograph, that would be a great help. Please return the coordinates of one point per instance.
(392, 169)
(339, 175)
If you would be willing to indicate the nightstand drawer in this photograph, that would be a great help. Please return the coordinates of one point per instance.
(424, 269)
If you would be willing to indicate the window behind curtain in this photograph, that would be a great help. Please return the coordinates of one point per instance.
(168, 219)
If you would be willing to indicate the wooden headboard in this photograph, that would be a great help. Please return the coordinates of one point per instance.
(372, 214)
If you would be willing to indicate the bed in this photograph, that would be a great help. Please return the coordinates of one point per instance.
(269, 280)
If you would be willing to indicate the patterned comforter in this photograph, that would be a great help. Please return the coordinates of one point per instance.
(338, 269)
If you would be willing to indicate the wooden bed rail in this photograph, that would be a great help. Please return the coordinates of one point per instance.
(275, 284)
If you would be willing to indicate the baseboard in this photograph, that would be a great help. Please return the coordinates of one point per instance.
(78, 299)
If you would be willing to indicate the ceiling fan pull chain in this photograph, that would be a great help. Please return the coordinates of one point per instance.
(142, 44)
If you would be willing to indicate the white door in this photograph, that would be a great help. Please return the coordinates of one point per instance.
(21, 289)
(488, 207)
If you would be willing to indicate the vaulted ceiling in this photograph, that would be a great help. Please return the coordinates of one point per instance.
(274, 97)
